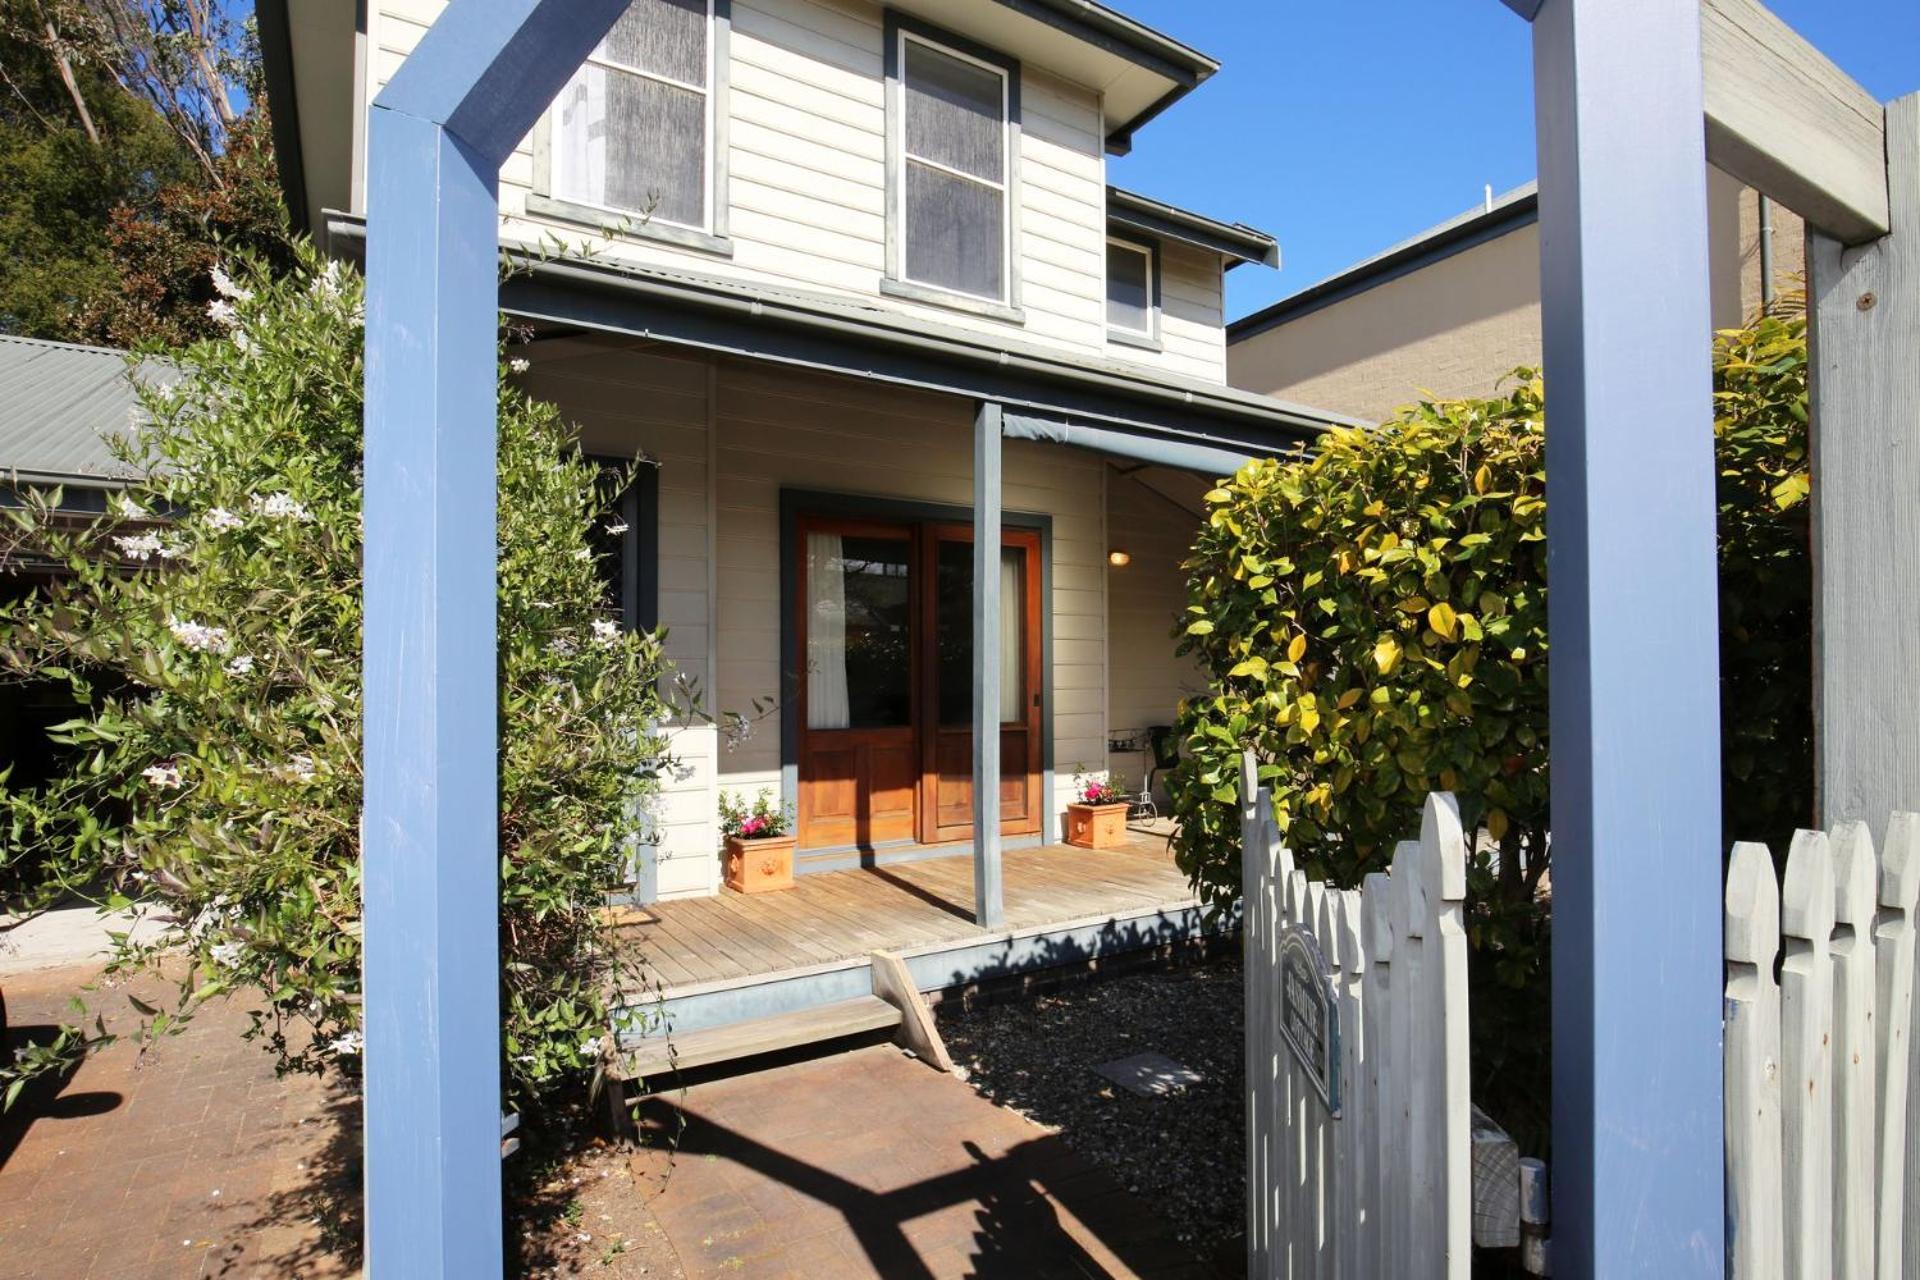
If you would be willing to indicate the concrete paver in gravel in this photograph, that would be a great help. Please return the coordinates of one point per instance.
(870, 1163)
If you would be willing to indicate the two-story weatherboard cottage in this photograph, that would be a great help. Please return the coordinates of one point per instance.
(804, 242)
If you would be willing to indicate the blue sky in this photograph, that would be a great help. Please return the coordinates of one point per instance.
(1345, 127)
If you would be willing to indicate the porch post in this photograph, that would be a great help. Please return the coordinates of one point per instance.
(1637, 1127)
(988, 908)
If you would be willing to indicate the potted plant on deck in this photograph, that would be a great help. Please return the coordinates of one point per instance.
(759, 843)
(1098, 819)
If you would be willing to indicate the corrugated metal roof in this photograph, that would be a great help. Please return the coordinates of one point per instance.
(60, 403)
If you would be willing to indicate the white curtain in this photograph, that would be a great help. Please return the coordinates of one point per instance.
(580, 143)
(1013, 607)
(826, 634)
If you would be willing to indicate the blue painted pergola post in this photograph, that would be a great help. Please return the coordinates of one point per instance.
(1637, 1128)
(436, 138)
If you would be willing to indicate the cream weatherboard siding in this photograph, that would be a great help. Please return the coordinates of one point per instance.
(806, 154)
(628, 403)
(1152, 516)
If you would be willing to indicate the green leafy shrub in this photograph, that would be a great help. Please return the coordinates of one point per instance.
(210, 627)
(1374, 621)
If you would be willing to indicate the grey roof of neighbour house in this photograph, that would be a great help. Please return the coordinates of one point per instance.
(1506, 213)
(60, 403)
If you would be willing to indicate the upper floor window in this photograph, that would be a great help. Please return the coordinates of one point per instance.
(1133, 301)
(954, 138)
(633, 130)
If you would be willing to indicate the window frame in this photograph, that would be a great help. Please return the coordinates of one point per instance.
(712, 236)
(1150, 336)
(898, 29)
(638, 507)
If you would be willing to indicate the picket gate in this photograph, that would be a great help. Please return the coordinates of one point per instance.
(1818, 1060)
(1385, 1189)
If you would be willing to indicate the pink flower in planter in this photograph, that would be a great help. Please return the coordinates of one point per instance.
(752, 827)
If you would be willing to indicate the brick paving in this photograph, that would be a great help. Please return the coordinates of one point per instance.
(192, 1160)
(870, 1163)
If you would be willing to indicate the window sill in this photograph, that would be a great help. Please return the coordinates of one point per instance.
(907, 290)
(1127, 338)
(633, 227)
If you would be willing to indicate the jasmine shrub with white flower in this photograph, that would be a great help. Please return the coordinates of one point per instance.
(215, 657)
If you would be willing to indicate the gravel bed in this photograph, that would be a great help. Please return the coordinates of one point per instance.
(1184, 1153)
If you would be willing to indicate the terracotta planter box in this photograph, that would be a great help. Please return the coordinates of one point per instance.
(760, 865)
(1097, 826)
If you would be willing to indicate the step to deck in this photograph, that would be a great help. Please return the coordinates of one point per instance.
(733, 1041)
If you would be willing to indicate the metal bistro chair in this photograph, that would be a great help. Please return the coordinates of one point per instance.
(1166, 754)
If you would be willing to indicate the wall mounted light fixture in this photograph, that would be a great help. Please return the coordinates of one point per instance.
(1118, 558)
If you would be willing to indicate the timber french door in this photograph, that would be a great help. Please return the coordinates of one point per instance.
(884, 618)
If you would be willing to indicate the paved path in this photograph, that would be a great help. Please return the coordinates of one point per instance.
(872, 1164)
(193, 1160)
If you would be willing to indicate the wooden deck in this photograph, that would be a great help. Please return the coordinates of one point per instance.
(834, 917)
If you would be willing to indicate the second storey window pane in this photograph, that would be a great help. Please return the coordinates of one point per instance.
(631, 128)
(1129, 288)
(954, 167)
(953, 232)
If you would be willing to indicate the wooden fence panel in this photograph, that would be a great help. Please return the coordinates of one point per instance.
(1806, 1051)
(1384, 1188)
(1893, 938)
(1854, 1085)
(1756, 1239)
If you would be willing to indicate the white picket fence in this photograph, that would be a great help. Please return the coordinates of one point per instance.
(1818, 1059)
(1385, 1189)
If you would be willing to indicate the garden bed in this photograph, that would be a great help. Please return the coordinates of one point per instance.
(1183, 1152)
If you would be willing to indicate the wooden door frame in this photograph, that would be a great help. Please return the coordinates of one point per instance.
(798, 504)
(928, 812)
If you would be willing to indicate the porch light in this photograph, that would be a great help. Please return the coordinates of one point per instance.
(1118, 558)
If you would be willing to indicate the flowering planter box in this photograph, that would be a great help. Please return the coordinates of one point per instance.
(759, 865)
(1097, 826)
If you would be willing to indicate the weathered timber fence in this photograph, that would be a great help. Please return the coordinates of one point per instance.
(1818, 1058)
(1385, 1188)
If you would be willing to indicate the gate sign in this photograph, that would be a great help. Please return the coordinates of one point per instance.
(1309, 1016)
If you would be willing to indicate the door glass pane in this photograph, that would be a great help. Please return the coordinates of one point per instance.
(954, 112)
(954, 638)
(859, 613)
(954, 236)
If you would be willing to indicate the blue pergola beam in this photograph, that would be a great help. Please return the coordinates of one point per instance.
(1635, 708)
(430, 874)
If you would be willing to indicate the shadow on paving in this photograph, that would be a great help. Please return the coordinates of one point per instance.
(1000, 1209)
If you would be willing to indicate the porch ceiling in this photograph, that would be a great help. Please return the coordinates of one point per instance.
(843, 335)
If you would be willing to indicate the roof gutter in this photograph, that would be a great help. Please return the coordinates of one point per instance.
(1234, 241)
(276, 67)
(1237, 410)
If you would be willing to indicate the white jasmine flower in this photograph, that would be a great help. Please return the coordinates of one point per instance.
(279, 506)
(590, 1047)
(605, 631)
(171, 550)
(617, 529)
(140, 546)
(221, 312)
(128, 508)
(224, 286)
(198, 636)
(298, 769)
(241, 665)
(243, 342)
(219, 519)
(164, 776)
(348, 1045)
(562, 646)
(518, 365)
(227, 953)
(584, 553)
(326, 281)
